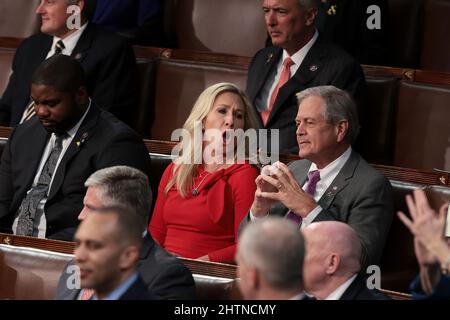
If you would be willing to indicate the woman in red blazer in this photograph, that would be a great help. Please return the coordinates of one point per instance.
(203, 196)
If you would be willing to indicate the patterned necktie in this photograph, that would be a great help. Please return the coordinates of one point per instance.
(313, 179)
(87, 294)
(285, 75)
(29, 110)
(29, 205)
(59, 47)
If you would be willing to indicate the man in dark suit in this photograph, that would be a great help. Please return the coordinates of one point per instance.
(298, 60)
(332, 263)
(48, 158)
(107, 254)
(164, 274)
(270, 258)
(106, 58)
(332, 182)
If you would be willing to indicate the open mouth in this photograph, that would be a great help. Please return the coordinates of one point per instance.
(227, 137)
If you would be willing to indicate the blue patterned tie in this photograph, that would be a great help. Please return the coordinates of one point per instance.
(27, 210)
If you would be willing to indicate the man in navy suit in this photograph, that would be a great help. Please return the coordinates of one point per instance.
(164, 274)
(313, 62)
(107, 248)
(107, 59)
(87, 139)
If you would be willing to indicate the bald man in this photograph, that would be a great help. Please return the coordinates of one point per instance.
(270, 258)
(332, 263)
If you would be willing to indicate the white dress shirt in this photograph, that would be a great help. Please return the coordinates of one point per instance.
(69, 42)
(40, 223)
(327, 176)
(263, 99)
(337, 294)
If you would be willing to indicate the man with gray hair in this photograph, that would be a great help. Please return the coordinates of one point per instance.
(332, 181)
(270, 261)
(107, 59)
(163, 273)
(332, 263)
(300, 58)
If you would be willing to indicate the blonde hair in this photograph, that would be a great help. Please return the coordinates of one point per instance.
(185, 171)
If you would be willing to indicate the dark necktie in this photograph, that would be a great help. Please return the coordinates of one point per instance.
(29, 205)
(29, 110)
(313, 179)
(59, 47)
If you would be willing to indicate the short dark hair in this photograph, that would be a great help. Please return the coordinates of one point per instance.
(123, 185)
(129, 223)
(62, 72)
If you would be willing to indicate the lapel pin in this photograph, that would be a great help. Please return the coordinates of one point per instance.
(79, 56)
(84, 136)
(313, 68)
(332, 191)
(269, 58)
(332, 10)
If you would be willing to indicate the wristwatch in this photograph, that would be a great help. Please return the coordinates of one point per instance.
(445, 267)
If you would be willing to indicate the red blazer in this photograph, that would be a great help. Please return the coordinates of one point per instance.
(208, 223)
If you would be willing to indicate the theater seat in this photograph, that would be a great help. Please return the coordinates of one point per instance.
(3, 142)
(177, 86)
(231, 26)
(377, 142)
(435, 43)
(6, 58)
(422, 127)
(29, 274)
(19, 19)
(216, 288)
(399, 248)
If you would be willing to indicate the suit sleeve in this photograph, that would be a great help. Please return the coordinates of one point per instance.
(116, 84)
(125, 149)
(157, 226)
(244, 188)
(174, 283)
(441, 292)
(370, 216)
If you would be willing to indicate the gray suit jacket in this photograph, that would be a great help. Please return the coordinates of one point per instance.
(359, 196)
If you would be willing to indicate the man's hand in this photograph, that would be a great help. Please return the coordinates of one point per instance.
(261, 205)
(285, 189)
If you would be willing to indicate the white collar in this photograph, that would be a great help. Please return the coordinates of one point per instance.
(299, 296)
(70, 41)
(300, 55)
(333, 167)
(337, 294)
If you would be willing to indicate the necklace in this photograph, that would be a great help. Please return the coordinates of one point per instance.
(195, 189)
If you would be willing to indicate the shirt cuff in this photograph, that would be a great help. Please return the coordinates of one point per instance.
(310, 217)
(253, 218)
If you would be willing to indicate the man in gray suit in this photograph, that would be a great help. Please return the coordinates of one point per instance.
(332, 181)
(163, 274)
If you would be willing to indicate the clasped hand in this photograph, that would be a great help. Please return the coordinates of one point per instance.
(276, 183)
